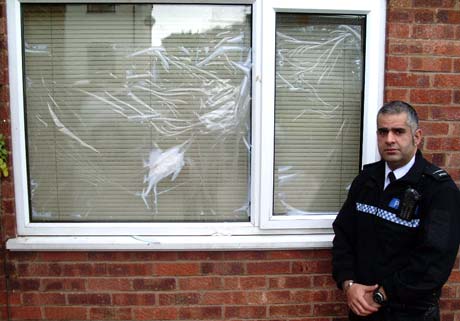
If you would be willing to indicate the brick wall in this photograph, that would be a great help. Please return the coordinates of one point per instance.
(423, 68)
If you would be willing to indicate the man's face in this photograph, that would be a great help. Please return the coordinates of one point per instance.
(397, 144)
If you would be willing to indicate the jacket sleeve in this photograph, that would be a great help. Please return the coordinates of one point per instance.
(342, 248)
(432, 260)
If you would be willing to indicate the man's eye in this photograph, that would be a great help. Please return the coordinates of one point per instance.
(382, 131)
(399, 131)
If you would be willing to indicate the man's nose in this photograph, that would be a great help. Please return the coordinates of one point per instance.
(390, 138)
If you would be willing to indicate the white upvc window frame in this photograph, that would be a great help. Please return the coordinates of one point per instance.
(262, 224)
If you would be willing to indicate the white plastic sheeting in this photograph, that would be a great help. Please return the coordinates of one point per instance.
(139, 113)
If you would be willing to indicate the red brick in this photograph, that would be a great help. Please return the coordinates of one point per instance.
(8, 206)
(446, 48)
(454, 160)
(62, 256)
(7, 189)
(90, 299)
(312, 267)
(431, 96)
(443, 143)
(177, 269)
(24, 284)
(298, 310)
(291, 282)
(446, 113)
(32, 269)
(448, 16)
(434, 3)
(439, 159)
(63, 284)
(66, 313)
(130, 256)
(399, 16)
(454, 129)
(231, 283)
(133, 299)
(167, 284)
(449, 291)
(398, 30)
(397, 63)
(222, 268)
(25, 313)
(310, 296)
(407, 80)
(454, 174)
(330, 309)
(218, 298)
(245, 312)
(202, 256)
(396, 94)
(84, 269)
(277, 297)
(434, 128)
(400, 4)
(430, 64)
(8, 223)
(156, 313)
(456, 98)
(190, 298)
(323, 281)
(200, 313)
(200, 283)
(43, 299)
(244, 256)
(110, 284)
(398, 46)
(424, 16)
(433, 31)
(14, 298)
(446, 80)
(299, 254)
(252, 282)
(110, 314)
(266, 268)
(245, 283)
(130, 269)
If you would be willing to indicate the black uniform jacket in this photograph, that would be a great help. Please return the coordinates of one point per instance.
(411, 259)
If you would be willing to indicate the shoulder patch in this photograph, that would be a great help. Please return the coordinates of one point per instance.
(437, 173)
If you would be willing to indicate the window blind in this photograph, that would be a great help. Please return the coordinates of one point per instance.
(318, 111)
(138, 113)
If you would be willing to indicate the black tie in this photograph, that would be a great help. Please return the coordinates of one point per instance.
(391, 177)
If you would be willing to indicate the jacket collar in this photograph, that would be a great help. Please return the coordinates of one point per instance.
(412, 177)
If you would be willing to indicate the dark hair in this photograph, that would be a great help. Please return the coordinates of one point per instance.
(398, 107)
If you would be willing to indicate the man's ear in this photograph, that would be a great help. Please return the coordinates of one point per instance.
(417, 136)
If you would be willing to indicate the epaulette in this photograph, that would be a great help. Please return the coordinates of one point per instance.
(437, 173)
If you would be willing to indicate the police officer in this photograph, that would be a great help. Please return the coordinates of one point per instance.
(397, 234)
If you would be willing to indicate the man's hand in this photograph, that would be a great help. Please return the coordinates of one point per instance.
(359, 299)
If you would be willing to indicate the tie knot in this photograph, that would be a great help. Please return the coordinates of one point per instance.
(391, 177)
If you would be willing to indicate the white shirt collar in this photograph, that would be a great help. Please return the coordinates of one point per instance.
(399, 172)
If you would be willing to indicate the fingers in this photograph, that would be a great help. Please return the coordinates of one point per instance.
(362, 307)
(360, 300)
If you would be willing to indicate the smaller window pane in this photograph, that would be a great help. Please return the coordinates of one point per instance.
(318, 110)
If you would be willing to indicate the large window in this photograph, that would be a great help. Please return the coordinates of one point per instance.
(233, 118)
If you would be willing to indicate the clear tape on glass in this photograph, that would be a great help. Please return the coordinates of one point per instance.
(317, 113)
